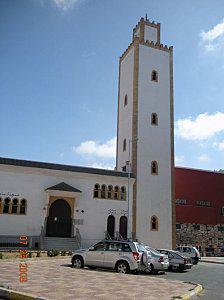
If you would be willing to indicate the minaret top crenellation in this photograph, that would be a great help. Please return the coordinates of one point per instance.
(147, 30)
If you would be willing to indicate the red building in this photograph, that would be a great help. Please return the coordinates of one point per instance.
(200, 209)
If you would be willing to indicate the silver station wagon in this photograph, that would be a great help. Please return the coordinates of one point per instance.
(123, 256)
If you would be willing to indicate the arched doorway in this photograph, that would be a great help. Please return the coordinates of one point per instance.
(123, 226)
(111, 226)
(59, 219)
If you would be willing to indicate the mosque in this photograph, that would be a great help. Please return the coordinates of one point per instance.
(66, 206)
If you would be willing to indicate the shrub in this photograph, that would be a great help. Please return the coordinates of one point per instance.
(70, 253)
(63, 253)
(53, 252)
(1, 255)
(38, 254)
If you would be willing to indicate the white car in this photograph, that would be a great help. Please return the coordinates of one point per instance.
(177, 261)
(157, 261)
(190, 252)
(123, 256)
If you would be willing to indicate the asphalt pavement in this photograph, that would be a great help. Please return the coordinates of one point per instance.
(210, 275)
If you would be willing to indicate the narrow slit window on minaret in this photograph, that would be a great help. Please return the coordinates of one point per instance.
(154, 168)
(154, 76)
(154, 119)
(154, 223)
(125, 100)
(124, 145)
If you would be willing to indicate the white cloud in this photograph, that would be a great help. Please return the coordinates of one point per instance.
(213, 39)
(203, 127)
(219, 145)
(106, 150)
(65, 5)
(214, 33)
(204, 158)
(179, 159)
(102, 166)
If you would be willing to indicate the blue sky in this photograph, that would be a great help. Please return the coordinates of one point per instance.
(59, 72)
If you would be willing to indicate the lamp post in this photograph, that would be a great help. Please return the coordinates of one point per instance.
(129, 177)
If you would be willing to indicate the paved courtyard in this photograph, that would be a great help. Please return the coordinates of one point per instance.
(55, 279)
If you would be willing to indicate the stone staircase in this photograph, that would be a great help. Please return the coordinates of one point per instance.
(62, 244)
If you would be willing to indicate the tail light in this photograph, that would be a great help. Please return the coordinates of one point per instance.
(135, 255)
(160, 259)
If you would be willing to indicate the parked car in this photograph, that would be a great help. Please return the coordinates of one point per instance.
(190, 252)
(123, 256)
(157, 261)
(177, 261)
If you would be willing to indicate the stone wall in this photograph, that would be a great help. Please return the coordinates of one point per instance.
(208, 238)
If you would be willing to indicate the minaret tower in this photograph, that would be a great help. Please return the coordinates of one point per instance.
(145, 133)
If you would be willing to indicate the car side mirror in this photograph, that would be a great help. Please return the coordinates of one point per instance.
(91, 249)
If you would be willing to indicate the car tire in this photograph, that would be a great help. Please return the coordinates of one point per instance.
(77, 262)
(122, 267)
(152, 269)
(175, 268)
(195, 260)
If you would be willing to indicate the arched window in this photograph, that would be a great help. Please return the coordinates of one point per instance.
(96, 191)
(154, 223)
(103, 191)
(154, 76)
(124, 145)
(23, 205)
(14, 206)
(123, 193)
(110, 192)
(116, 193)
(110, 226)
(123, 227)
(6, 206)
(154, 119)
(154, 167)
(125, 100)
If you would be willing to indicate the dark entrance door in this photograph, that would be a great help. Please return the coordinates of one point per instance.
(59, 219)
(111, 226)
(123, 227)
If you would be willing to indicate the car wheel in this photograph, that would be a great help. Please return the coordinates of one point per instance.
(175, 268)
(195, 260)
(122, 267)
(77, 262)
(151, 269)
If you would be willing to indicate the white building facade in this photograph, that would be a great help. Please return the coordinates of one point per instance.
(80, 206)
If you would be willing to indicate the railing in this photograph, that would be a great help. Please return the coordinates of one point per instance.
(78, 237)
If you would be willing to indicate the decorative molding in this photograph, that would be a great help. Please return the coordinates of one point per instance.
(173, 201)
(118, 109)
(135, 133)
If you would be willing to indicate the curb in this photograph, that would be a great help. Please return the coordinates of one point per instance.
(212, 262)
(14, 295)
(198, 289)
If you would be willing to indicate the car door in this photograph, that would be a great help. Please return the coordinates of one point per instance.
(112, 252)
(95, 255)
